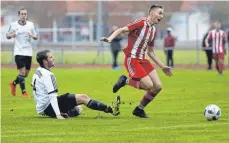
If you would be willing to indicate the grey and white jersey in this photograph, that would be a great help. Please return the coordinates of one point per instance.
(22, 41)
(44, 83)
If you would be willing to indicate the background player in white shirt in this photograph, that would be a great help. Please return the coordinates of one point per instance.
(22, 31)
(45, 93)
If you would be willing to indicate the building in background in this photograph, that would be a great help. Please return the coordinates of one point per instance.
(189, 19)
(193, 20)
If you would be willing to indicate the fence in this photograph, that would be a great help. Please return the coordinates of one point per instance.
(91, 53)
(78, 45)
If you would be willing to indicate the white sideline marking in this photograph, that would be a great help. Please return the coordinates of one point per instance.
(125, 130)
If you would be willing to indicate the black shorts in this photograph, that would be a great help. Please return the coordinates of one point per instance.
(66, 102)
(23, 61)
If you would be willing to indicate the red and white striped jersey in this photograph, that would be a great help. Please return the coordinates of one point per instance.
(141, 34)
(218, 39)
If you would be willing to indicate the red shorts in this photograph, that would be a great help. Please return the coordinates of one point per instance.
(138, 68)
(218, 56)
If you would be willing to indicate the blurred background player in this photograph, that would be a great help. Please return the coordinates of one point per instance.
(227, 44)
(169, 44)
(22, 31)
(141, 72)
(45, 93)
(115, 48)
(208, 50)
(218, 40)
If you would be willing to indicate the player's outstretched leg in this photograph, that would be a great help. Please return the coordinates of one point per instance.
(97, 105)
(94, 104)
(120, 83)
(154, 86)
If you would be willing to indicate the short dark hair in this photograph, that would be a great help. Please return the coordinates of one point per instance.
(154, 6)
(42, 55)
(22, 8)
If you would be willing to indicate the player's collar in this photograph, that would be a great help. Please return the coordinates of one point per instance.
(148, 23)
(21, 24)
(217, 30)
(45, 68)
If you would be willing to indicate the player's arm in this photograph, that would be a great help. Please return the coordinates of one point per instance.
(35, 37)
(207, 39)
(227, 36)
(151, 54)
(50, 85)
(11, 33)
(55, 106)
(115, 34)
(224, 38)
(33, 34)
(224, 42)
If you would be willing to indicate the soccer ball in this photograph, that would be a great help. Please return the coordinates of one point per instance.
(212, 112)
(79, 108)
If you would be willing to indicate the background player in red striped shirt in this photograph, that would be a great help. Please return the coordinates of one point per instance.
(141, 72)
(218, 39)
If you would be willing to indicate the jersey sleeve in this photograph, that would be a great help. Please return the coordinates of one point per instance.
(135, 24)
(50, 83)
(54, 103)
(209, 37)
(34, 31)
(10, 30)
(227, 35)
(224, 37)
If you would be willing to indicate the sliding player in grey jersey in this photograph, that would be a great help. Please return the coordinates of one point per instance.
(45, 93)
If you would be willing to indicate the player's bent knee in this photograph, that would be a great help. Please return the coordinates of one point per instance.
(85, 97)
(158, 87)
(22, 71)
(82, 97)
(221, 60)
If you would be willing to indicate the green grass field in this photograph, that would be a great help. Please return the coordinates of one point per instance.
(176, 114)
(180, 57)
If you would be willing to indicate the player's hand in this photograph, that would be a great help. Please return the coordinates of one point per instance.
(60, 117)
(30, 34)
(207, 45)
(13, 34)
(65, 115)
(105, 39)
(167, 70)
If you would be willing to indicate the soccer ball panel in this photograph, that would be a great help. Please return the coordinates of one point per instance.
(212, 112)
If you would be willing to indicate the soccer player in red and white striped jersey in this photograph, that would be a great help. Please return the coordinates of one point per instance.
(218, 38)
(141, 72)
